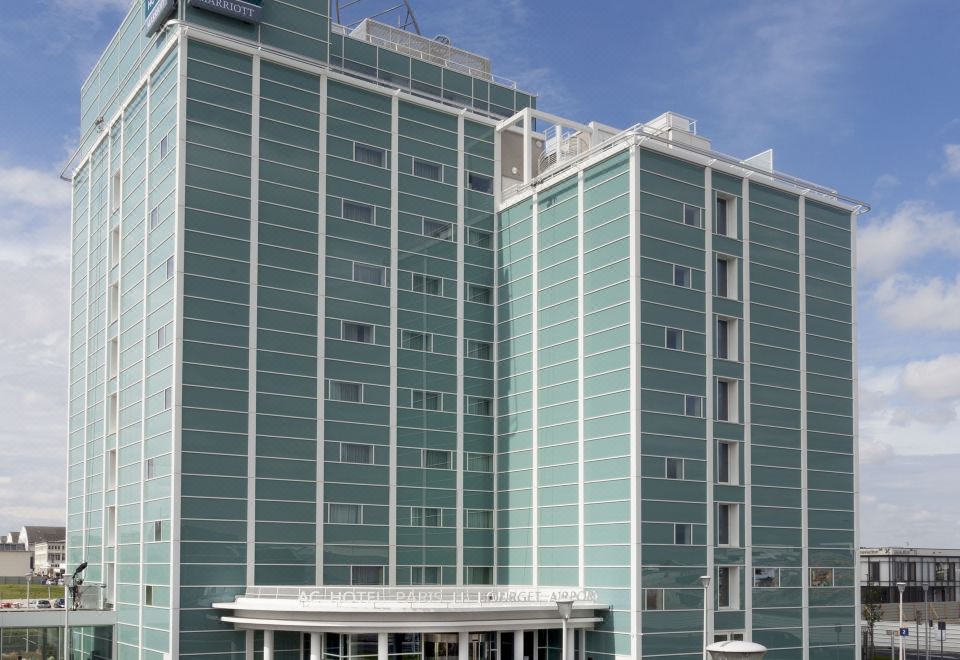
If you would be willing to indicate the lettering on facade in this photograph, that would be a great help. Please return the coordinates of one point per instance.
(463, 596)
(155, 12)
(249, 11)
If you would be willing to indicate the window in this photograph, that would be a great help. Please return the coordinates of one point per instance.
(478, 575)
(692, 215)
(343, 514)
(480, 350)
(164, 146)
(427, 170)
(478, 294)
(480, 183)
(424, 575)
(369, 274)
(726, 278)
(728, 462)
(873, 571)
(358, 212)
(361, 332)
(437, 459)
(674, 468)
(438, 229)
(150, 468)
(683, 534)
(115, 247)
(726, 337)
(728, 404)
(115, 195)
(766, 577)
(363, 153)
(423, 516)
(728, 637)
(728, 525)
(675, 339)
(343, 391)
(479, 238)
(478, 406)
(653, 599)
(427, 284)
(366, 575)
(148, 594)
(821, 577)
(693, 405)
(157, 530)
(474, 462)
(416, 341)
(170, 268)
(111, 476)
(426, 400)
(478, 519)
(725, 220)
(942, 571)
(728, 587)
(168, 398)
(356, 453)
(681, 276)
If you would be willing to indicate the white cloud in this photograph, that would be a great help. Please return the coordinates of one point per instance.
(950, 169)
(925, 304)
(872, 451)
(934, 379)
(915, 229)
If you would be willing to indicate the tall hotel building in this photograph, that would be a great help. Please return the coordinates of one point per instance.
(370, 358)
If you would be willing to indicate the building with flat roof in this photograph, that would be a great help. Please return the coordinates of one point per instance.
(370, 357)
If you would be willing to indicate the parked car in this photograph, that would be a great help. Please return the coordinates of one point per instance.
(6, 605)
(43, 605)
(59, 603)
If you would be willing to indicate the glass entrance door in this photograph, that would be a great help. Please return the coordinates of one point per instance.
(440, 646)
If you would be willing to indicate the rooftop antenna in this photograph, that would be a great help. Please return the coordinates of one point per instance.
(406, 20)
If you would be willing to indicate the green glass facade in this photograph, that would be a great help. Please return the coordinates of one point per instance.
(314, 343)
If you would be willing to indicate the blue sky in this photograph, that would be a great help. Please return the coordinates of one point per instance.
(859, 95)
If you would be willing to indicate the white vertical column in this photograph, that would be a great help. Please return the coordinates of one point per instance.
(747, 420)
(316, 646)
(461, 341)
(527, 146)
(391, 577)
(517, 645)
(382, 646)
(321, 327)
(857, 577)
(581, 452)
(535, 394)
(582, 652)
(570, 642)
(804, 495)
(267, 645)
(463, 645)
(636, 575)
(708, 265)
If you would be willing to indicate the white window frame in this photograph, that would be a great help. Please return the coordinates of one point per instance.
(733, 462)
(731, 219)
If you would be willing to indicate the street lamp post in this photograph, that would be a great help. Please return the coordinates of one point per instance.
(705, 582)
(565, 608)
(26, 642)
(926, 628)
(68, 585)
(901, 586)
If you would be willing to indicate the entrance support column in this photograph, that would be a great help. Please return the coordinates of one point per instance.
(570, 653)
(382, 646)
(316, 646)
(582, 653)
(517, 645)
(267, 645)
(463, 645)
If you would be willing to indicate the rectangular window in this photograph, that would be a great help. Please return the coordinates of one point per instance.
(366, 575)
(728, 404)
(437, 459)
(766, 577)
(356, 453)
(170, 268)
(157, 530)
(363, 153)
(164, 146)
(728, 528)
(438, 229)
(361, 332)
(168, 398)
(479, 238)
(427, 284)
(873, 571)
(154, 217)
(161, 337)
(343, 514)
(726, 278)
(943, 571)
(728, 637)
(115, 195)
(416, 341)
(474, 462)
(727, 462)
(479, 294)
(424, 516)
(683, 534)
(692, 215)
(426, 400)
(653, 599)
(478, 519)
(720, 221)
(424, 575)
(358, 212)
(478, 575)
(693, 405)
(725, 222)
(369, 274)
(427, 169)
(681, 276)
(480, 183)
(723, 339)
(821, 577)
(674, 468)
(728, 591)
(674, 339)
(148, 594)
(150, 468)
(722, 279)
(478, 406)
(344, 391)
(479, 350)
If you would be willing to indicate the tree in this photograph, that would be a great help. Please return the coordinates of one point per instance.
(872, 612)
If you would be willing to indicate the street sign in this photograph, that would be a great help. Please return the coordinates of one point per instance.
(904, 632)
(941, 625)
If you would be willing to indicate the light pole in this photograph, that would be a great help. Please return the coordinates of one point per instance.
(29, 577)
(26, 642)
(926, 628)
(565, 608)
(705, 583)
(901, 586)
(68, 586)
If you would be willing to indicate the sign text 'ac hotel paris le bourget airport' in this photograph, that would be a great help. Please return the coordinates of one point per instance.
(249, 11)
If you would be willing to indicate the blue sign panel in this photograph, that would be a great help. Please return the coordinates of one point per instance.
(155, 12)
(904, 632)
(250, 11)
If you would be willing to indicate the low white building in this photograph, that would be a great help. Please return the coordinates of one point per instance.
(936, 569)
(49, 557)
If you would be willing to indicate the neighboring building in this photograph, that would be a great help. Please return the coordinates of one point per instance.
(30, 536)
(937, 569)
(341, 317)
(13, 538)
(49, 557)
(15, 562)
